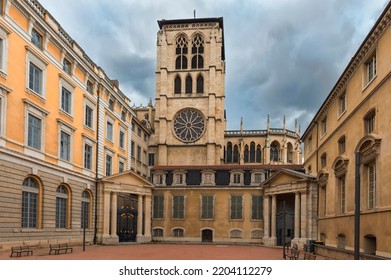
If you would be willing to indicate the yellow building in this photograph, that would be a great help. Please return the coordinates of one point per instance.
(346, 148)
(64, 125)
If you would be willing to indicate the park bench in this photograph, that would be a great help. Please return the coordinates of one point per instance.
(293, 253)
(19, 250)
(60, 248)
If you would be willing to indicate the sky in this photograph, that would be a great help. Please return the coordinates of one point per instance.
(283, 57)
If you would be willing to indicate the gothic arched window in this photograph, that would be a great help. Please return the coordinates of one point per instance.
(275, 151)
(178, 85)
(197, 50)
(252, 152)
(246, 153)
(200, 84)
(189, 84)
(181, 53)
(229, 152)
(236, 154)
(259, 155)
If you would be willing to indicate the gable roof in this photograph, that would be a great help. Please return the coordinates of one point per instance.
(295, 175)
(129, 178)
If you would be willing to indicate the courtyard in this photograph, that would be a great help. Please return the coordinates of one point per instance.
(158, 252)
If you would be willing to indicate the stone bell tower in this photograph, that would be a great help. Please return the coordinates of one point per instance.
(190, 79)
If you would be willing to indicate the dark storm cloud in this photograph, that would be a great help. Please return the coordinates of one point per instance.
(283, 57)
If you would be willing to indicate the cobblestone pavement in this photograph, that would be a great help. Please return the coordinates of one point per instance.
(158, 252)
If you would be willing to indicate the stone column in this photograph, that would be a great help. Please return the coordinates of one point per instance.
(148, 209)
(140, 235)
(114, 216)
(297, 216)
(303, 218)
(266, 218)
(106, 215)
(273, 238)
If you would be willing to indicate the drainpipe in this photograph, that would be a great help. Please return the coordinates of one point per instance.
(357, 209)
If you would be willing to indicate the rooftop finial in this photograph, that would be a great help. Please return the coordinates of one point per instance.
(241, 125)
(194, 13)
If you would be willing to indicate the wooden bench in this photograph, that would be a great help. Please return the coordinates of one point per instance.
(19, 250)
(293, 253)
(60, 248)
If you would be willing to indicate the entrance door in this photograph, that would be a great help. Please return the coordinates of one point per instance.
(285, 210)
(207, 235)
(127, 224)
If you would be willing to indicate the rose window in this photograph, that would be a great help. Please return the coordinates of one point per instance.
(189, 125)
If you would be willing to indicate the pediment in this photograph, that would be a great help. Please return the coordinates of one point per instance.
(128, 178)
(286, 176)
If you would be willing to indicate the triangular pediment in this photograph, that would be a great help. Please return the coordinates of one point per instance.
(128, 178)
(286, 176)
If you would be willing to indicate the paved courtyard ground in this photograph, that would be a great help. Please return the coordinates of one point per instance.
(158, 252)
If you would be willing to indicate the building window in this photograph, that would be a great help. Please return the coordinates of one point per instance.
(200, 84)
(310, 144)
(207, 209)
(256, 207)
(123, 116)
(30, 203)
(371, 68)
(181, 53)
(66, 101)
(275, 151)
(236, 207)
(290, 153)
(121, 165)
(109, 165)
(208, 178)
(65, 146)
(197, 50)
(66, 66)
(323, 126)
(88, 116)
(151, 159)
(90, 87)
(35, 78)
(111, 105)
(87, 156)
(36, 38)
(342, 103)
(159, 179)
(371, 186)
(138, 153)
(258, 178)
(139, 132)
(237, 178)
(236, 154)
(342, 195)
(189, 84)
(236, 233)
(157, 232)
(178, 207)
(369, 122)
(178, 85)
(342, 145)
(61, 207)
(246, 154)
(132, 148)
(179, 178)
(323, 160)
(3, 50)
(34, 132)
(122, 139)
(109, 130)
(158, 206)
(177, 232)
(85, 209)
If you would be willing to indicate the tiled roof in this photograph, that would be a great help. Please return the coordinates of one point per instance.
(230, 167)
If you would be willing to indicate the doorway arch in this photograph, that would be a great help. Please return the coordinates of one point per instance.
(207, 235)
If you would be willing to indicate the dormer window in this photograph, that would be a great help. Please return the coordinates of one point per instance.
(236, 178)
(257, 178)
(208, 178)
(159, 179)
(179, 178)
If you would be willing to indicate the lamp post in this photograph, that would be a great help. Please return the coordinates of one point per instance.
(283, 230)
(357, 209)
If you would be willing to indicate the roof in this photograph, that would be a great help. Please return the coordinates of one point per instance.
(294, 173)
(219, 20)
(231, 167)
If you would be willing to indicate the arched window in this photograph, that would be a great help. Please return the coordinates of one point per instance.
(197, 50)
(200, 84)
(275, 151)
(85, 209)
(62, 207)
(189, 84)
(370, 244)
(236, 154)
(30, 203)
(252, 152)
(177, 85)
(259, 155)
(177, 232)
(181, 52)
(246, 159)
(229, 152)
(290, 153)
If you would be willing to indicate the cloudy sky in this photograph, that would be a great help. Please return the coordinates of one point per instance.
(283, 57)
